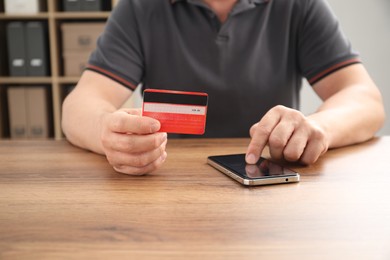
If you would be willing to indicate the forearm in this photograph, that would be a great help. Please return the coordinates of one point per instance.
(82, 121)
(85, 108)
(351, 116)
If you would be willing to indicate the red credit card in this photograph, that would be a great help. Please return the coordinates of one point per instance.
(178, 111)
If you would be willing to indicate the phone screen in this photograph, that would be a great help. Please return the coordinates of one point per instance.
(261, 170)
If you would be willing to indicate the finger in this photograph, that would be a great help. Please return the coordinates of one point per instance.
(260, 136)
(142, 170)
(132, 143)
(295, 146)
(122, 122)
(313, 151)
(253, 129)
(252, 170)
(279, 138)
(316, 146)
(136, 160)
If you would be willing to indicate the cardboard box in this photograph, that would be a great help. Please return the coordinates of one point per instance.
(2, 123)
(22, 6)
(17, 112)
(75, 62)
(28, 112)
(78, 37)
(114, 3)
(37, 112)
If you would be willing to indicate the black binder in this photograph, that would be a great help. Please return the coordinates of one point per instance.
(3, 61)
(72, 5)
(16, 49)
(2, 64)
(36, 45)
(91, 5)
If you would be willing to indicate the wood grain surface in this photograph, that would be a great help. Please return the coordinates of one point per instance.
(61, 202)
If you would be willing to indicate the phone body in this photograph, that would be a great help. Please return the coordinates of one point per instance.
(264, 172)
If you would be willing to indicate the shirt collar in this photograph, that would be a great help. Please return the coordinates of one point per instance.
(246, 1)
(241, 5)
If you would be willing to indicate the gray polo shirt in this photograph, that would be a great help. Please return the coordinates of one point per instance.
(250, 63)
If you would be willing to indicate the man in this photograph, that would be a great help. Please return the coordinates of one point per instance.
(250, 57)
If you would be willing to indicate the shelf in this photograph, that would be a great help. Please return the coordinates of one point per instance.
(38, 16)
(68, 80)
(26, 80)
(81, 15)
(57, 15)
(38, 80)
(52, 16)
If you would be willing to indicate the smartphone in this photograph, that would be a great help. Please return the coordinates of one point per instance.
(264, 172)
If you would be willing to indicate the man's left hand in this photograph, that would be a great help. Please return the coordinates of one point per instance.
(290, 136)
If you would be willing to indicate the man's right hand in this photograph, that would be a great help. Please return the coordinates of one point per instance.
(131, 142)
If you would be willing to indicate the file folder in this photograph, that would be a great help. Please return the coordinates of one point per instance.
(2, 57)
(72, 5)
(16, 49)
(36, 45)
(91, 5)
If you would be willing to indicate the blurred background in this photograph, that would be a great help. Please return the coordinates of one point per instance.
(45, 44)
(367, 25)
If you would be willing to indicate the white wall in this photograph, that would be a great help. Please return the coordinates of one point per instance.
(367, 25)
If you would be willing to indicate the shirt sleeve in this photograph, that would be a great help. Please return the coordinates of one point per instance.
(323, 48)
(118, 54)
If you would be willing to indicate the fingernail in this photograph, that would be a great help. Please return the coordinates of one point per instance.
(251, 158)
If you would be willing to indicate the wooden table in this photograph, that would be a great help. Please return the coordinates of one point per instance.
(60, 202)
